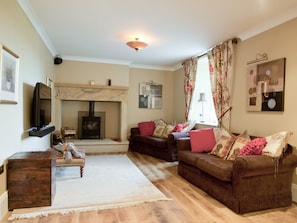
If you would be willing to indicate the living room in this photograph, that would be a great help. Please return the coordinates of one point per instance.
(36, 64)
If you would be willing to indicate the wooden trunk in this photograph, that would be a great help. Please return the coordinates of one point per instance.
(31, 179)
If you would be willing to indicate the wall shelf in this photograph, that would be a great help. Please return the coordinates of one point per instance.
(89, 86)
(42, 132)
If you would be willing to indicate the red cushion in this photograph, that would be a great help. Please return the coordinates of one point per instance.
(146, 128)
(202, 140)
(178, 128)
(254, 147)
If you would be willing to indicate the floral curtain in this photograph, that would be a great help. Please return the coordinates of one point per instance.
(221, 71)
(190, 67)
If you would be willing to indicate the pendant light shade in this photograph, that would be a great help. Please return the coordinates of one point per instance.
(136, 44)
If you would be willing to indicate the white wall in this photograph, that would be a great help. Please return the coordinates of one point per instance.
(36, 64)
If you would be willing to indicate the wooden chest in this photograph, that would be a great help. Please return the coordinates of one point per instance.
(31, 179)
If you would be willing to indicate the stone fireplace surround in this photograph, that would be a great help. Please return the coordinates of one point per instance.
(83, 92)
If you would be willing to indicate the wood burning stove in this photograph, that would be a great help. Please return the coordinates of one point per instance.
(91, 124)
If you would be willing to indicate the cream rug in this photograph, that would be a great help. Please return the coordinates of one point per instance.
(109, 181)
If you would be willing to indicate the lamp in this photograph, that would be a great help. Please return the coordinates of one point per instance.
(202, 99)
(137, 45)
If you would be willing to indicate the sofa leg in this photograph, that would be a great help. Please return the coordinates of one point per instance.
(81, 171)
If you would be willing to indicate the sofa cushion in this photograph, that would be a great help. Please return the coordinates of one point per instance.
(146, 128)
(276, 144)
(216, 167)
(254, 147)
(188, 157)
(218, 132)
(167, 130)
(159, 131)
(202, 140)
(212, 165)
(157, 142)
(188, 126)
(178, 128)
(238, 144)
(150, 140)
(223, 146)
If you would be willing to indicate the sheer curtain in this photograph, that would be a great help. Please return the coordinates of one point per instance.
(221, 72)
(190, 67)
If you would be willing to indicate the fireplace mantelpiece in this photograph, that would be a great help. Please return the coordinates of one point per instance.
(84, 92)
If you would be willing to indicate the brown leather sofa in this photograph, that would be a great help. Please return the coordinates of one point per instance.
(162, 148)
(249, 183)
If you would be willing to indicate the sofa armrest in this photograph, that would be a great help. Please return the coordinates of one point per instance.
(134, 131)
(259, 165)
(183, 144)
(173, 136)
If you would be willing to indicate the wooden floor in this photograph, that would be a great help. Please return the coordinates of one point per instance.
(188, 205)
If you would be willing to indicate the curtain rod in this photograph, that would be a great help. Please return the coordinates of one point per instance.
(234, 41)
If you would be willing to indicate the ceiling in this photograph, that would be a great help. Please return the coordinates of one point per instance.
(97, 30)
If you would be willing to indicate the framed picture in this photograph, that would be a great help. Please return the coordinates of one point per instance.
(266, 86)
(150, 95)
(9, 75)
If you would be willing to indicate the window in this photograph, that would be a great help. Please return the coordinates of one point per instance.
(202, 107)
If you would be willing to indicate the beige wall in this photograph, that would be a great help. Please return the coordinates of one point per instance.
(135, 114)
(278, 42)
(179, 97)
(121, 75)
(78, 72)
(36, 64)
(84, 72)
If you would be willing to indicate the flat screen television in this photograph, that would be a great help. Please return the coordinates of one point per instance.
(41, 106)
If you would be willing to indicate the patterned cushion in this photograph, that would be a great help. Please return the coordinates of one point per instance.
(276, 144)
(159, 131)
(238, 144)
(222, 146)
(222, 132)
(167, 130)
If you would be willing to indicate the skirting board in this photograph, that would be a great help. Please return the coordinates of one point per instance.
(3, 204)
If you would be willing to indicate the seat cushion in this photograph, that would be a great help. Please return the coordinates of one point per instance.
(151, 140)
(210, 164)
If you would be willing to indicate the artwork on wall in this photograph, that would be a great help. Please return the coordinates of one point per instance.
(266, 85)
(9, 73)
(150, 95)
